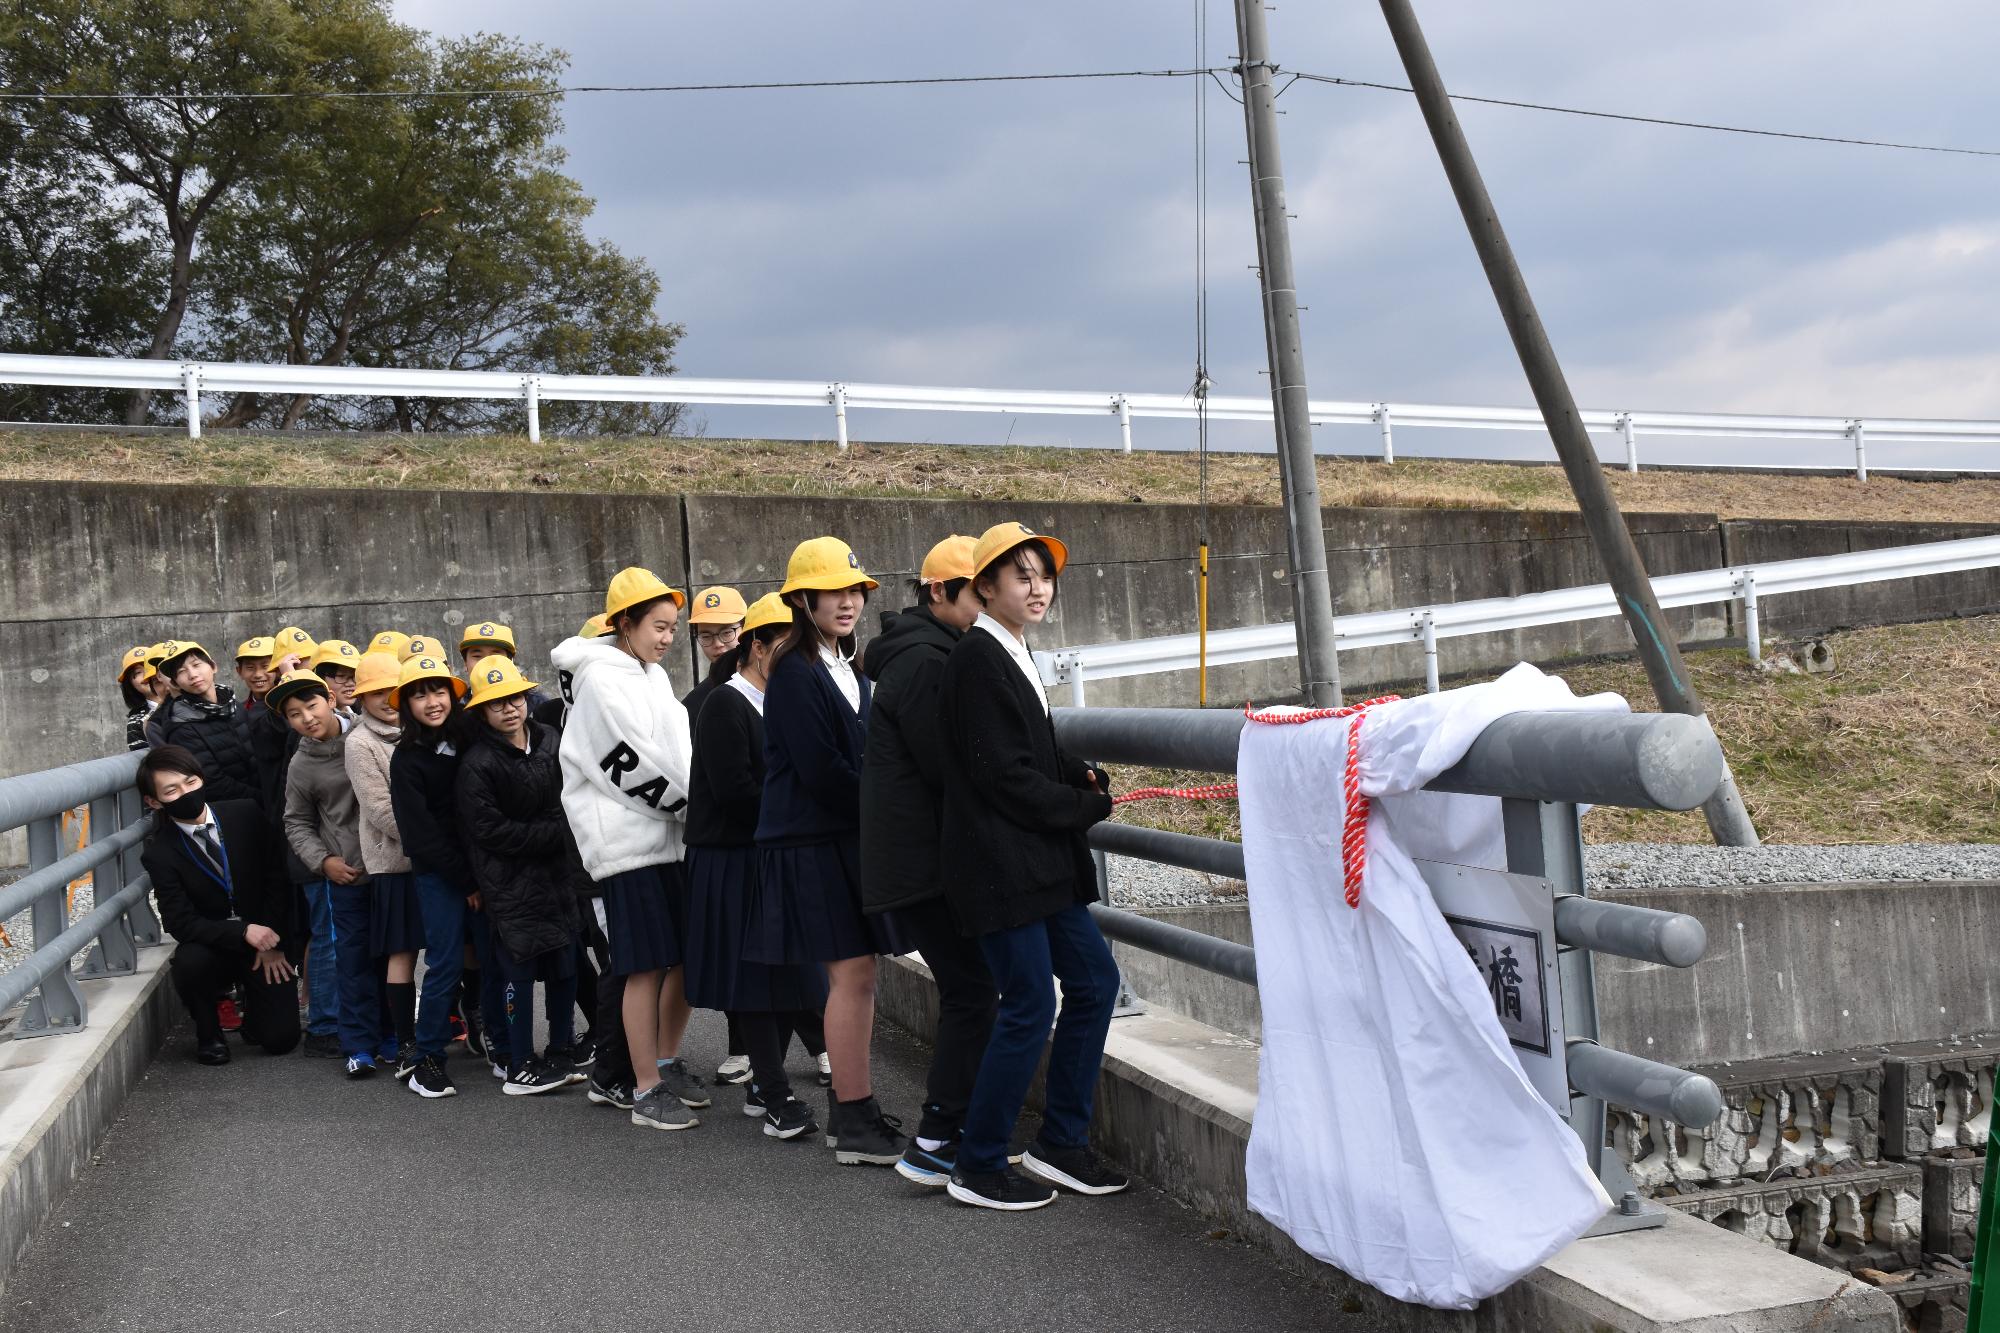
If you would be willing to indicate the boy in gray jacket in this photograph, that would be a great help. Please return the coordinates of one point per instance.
(323, 826)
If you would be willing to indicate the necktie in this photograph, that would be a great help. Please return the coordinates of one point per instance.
(210, 846)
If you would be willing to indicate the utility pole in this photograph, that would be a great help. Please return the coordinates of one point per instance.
(1298, 471)
(1728, 820)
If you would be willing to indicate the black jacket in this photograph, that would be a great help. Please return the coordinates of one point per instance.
(218, 735)
(1016, 805)
(707, 685)
(273, 742)
(726, 780)
(524, 861)
(902, 782)
(423, 793)
(812, 754)
(196, 907)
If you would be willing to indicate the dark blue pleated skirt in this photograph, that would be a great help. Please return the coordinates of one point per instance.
(395, 915)
(806, 907)
(646, 918)
(722, 881)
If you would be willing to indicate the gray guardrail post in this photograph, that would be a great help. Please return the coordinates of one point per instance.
(56, 1004)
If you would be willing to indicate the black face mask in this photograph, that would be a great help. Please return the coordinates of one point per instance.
(185, 806)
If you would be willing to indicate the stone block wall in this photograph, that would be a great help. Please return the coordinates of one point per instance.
(1938, 1096)
(1867, 1217)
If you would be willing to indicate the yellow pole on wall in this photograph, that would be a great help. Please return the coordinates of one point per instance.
(1201, 621)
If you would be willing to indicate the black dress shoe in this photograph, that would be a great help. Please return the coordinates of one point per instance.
(212, 1051)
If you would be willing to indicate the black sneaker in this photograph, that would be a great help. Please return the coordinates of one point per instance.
(406, 1060)
(322, 1046)
(429, 1080)
(1077, 1169)
(572, 1062)
(603, 1093)
(475, 1039)
(923, 1166)
(789, 1119)
(1008, 1191)
(536, 1076)
(734, 1070)
(863, 1136)
(753, 1103)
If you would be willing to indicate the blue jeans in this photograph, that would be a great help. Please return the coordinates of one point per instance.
(492, 986)
(559, 998)
(1024, 962)
(322, 976)
(443, 907)
(365, 1028)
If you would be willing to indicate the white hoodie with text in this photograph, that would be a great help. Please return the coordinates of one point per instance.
(626, 749)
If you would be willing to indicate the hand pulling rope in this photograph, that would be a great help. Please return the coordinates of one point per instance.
(1354, 805)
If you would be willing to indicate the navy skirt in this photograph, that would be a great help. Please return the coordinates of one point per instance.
(806, 907)
(720, 899)
(395, 915)
(646, 918)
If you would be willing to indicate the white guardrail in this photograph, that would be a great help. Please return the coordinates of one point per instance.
(1427, 624)
(192, 379)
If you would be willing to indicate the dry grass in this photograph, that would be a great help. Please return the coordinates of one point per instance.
(1900, 743)
(754, 467)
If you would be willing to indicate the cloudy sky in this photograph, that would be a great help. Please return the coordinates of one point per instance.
(1040, 236)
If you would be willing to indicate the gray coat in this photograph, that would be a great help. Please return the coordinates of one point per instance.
(322, 816)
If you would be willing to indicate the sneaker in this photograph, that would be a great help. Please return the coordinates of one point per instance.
(1077, 1169)
(753, 1102)
(825, 1070)
(498, 1064)
(429, 1080)
(536, 1076)
(789, 1119)
(1009, 1191)
(658, 1108)
(608, 1094)
(685, 1084)
(228, 1016)
(564, 1059)
(863, 1136)
(360, 1066)
(925, 1166)
(406, 1061)
(466, 1029)
(321, 1045)
(734, 1070)
(212, 1050)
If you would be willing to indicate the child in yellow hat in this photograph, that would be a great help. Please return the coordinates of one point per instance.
(133, 670)
(396, 918)
(809, 894)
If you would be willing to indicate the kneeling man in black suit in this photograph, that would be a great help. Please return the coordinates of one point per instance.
(219, 879)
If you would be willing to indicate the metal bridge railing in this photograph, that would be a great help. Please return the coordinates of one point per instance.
(1542, 766)
(120, 920)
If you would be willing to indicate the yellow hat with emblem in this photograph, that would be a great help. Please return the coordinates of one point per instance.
(291, 641)
(717, 606)
(427, 667)
(173, 651)
(133, 657)
(497, 678)
(390, 641)
(377, 671)
(949, 559)
(1001, 538)
(593, 628)
(423, 645)
(633, 585)
(487, 634)
(825, 564)
(260, 648)
(290, 684)
(770, 609)
(157, 653)
(335, 652)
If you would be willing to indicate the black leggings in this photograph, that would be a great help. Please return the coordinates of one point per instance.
(765, 1037)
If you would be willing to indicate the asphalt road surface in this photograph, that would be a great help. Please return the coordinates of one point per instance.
(273, 1194)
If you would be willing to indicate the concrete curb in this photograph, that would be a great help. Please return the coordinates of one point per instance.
(58, 1095)
(1175, 1103)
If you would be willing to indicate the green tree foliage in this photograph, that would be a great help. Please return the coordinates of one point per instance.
(422, 229)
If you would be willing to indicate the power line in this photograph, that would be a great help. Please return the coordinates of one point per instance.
(1659, 120)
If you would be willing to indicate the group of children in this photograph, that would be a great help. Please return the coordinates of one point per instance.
(751, 848)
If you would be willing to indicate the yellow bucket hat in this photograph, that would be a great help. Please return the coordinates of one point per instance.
(390, 641)
(377, 671)
(487, 634)
(717, 606)
(632, 586)
(770, 609)
(949, 559)
(423, 645)
(335, 652)
(497, 678)
(133, 657)
(824, 564)
(426, 667)
(593, 628)
(1001, 538)
(291, 683)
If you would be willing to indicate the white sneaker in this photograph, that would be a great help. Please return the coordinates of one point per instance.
(736, 1069)
(825, 1070)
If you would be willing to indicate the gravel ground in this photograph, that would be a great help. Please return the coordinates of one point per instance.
(1633, 865)
(20, 935)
